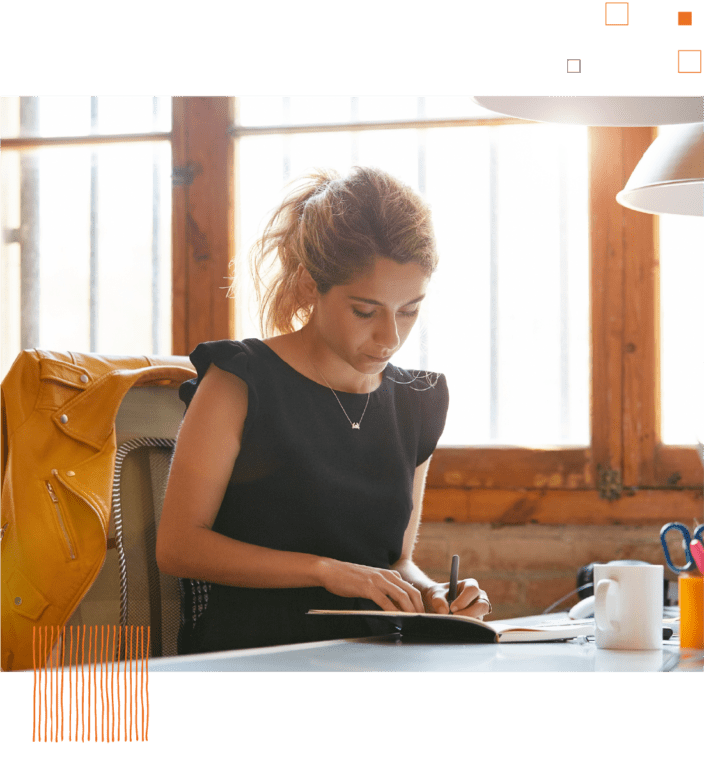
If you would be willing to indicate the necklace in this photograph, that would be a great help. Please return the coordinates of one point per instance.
(354, 424)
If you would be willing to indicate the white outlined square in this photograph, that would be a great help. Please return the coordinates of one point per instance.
(574, 65)
(689, 62)
(617, 14)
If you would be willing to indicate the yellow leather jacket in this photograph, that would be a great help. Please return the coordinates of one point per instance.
(58, 456)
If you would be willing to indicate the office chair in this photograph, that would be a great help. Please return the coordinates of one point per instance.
(130, 589)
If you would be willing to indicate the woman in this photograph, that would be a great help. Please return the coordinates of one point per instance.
(299, 469)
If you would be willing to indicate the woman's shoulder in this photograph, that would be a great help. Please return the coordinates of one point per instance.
(235, 357)
(285, 353)
(415, 380)
(424, 393)
(238, 357)
(424, 397)
(225, 351)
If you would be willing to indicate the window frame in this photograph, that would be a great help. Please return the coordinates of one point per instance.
(26, 236)
(626, 475)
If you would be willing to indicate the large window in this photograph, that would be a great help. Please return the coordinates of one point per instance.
(682, 343)
(86, 223)
(567, 325)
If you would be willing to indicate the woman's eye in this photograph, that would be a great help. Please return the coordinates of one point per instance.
(367, 315)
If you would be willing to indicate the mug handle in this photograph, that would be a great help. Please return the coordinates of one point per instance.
(605, 598)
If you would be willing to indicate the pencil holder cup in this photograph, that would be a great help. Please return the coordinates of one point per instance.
(691, 599)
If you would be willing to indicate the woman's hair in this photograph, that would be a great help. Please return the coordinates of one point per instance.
(336, 226)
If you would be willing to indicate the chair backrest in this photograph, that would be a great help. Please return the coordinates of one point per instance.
(130, 590)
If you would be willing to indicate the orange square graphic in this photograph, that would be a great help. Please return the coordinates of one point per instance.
(684, 18)
(689, 62)
(616, 14)
(606, 15)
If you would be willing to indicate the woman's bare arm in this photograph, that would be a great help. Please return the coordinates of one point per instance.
(206, 449)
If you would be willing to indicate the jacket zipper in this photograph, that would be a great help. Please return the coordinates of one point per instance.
(67, 487)
(81, 499)
(60, 517)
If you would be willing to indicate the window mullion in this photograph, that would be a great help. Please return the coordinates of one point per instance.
(29, 232)
(202, 221)
(94, 298)
(607, 291)
(493, 287)
(641, 327)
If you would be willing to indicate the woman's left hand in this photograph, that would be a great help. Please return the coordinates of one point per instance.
(470, 601)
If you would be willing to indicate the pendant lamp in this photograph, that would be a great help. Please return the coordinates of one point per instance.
(599, 110)
(670, 176)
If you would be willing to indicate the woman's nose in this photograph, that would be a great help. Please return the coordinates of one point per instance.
(386, 333)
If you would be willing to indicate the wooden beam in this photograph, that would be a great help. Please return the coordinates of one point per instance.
(202, 221)
(510, 467)
(38, 142)
(560, 507)
(678, 466)
(675, 467)
(607, 289)
(641, 375)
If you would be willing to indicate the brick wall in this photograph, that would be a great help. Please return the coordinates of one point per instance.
(524, 569)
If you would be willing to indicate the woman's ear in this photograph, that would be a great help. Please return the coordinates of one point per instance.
(306, 287)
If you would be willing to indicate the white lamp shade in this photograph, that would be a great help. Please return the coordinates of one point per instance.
(599, 110)
(670, 176)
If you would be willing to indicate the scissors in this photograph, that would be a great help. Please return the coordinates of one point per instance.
(697, 534)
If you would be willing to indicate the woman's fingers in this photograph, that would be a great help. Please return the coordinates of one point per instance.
(393, 593)
(387, 588)
(467, 592)
(479, 608)
(470, 600)
(406, 596)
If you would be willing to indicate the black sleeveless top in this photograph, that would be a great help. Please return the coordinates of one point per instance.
(305, 481)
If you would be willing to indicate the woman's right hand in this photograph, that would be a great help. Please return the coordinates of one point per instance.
(384, 587)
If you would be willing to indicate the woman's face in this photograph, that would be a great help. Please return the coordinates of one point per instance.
(366, 321)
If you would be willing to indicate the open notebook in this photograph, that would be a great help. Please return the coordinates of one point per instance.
(443, 628)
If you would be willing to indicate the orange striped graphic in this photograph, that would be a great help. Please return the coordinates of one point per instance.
(53, 657)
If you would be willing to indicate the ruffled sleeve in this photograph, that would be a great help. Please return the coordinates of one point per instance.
(434, 404)
(232, 356)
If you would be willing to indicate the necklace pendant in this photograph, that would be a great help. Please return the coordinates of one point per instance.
(355, 425)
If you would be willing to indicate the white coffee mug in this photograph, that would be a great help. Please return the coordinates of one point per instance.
(628, 606)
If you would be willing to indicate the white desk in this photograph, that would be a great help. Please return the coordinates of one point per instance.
(390, 654)
(375, 655)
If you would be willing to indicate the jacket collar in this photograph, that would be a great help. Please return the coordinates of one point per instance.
(89, 416)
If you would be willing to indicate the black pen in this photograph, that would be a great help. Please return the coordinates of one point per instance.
(454, 572)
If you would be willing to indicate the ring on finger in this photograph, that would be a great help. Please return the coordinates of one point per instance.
(484, 599)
